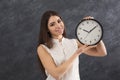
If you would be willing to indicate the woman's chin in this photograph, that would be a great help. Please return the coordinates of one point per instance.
(60, 32)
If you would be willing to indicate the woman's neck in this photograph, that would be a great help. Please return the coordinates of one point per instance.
(58, 37)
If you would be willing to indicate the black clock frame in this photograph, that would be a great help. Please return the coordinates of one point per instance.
(83, 21)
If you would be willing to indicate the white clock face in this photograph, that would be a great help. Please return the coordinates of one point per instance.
(89, 32)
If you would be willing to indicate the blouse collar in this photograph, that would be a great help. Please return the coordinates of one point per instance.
(57, 40)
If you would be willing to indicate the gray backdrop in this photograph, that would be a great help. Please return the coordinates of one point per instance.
(19, 30)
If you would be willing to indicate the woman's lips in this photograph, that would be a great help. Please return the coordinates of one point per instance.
(59, 31)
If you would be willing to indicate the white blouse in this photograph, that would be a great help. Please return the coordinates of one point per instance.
(62, 51)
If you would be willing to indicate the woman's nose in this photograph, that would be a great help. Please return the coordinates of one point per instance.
(58, 25)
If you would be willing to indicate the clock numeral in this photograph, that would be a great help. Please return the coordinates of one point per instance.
(80, 38)
(80, 28)
(94, 39)
(78, 33)
(92, 22)
(90, 41)
(98, 35)
(99, 30)
(87, 22)
(82, 24)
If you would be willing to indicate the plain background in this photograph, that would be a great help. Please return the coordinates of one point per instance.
(19, 30)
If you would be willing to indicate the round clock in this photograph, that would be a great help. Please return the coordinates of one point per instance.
(89, 31)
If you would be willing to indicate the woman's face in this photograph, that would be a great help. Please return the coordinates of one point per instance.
(55, 26)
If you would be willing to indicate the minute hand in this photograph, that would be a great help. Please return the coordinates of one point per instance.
(92, 29)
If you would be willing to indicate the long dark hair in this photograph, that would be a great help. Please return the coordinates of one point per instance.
(44, 35)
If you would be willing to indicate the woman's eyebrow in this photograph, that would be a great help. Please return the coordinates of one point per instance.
(51, 23)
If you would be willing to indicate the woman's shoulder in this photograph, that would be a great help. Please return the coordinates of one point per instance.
(41, 47)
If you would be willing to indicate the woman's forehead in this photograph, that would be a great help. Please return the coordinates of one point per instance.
(53, 18)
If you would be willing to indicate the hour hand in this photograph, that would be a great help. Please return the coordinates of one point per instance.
(85, 30)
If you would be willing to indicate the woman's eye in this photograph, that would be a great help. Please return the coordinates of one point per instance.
(52, 24)
(59, 21)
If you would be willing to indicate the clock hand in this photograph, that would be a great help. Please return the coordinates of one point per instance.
(89, 31)
(92, 29)
(85, 30)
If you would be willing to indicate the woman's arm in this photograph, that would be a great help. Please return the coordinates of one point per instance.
(48, 63)
(96, 50)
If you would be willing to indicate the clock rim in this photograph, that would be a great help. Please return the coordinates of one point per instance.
(86, 20)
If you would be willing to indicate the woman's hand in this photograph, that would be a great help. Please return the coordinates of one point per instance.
(84, 48)
(88, 17)
(95, 50)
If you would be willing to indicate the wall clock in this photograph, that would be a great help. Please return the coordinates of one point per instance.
(89, 31)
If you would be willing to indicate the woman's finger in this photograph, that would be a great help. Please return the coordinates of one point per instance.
(88, 17)
(84, 46)
(81, 49)
(89, 47)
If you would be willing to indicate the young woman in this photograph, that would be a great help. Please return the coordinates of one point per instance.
(58, 54)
